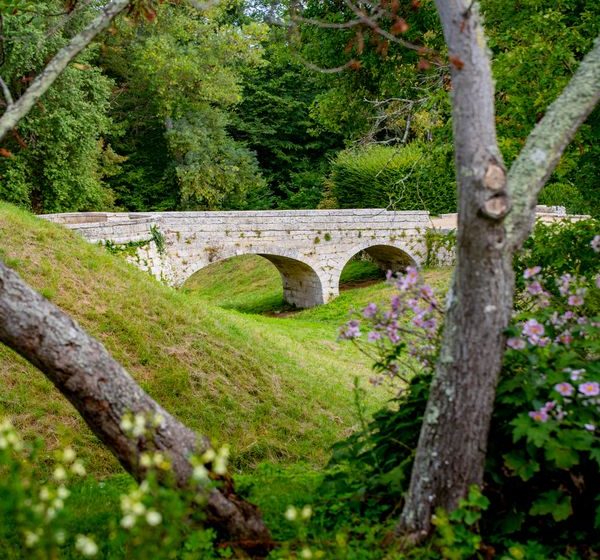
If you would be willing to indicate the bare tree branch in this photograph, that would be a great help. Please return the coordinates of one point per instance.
(6, 92)
(546, 144)
(102, 392)
(15, 112)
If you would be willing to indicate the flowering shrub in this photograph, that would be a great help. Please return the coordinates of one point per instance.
(151, 520)
(543, 466)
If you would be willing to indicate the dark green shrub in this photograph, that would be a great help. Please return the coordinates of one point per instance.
(412, 177)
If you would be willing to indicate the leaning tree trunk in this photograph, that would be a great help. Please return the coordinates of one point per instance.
(102, 392)
(453, 440)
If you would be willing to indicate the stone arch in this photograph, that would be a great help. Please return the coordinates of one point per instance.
(302, 285)
(386, 257)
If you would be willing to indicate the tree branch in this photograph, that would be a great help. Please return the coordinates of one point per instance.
(15, 112)
(102, 392)
(546, 144)
(6, 92)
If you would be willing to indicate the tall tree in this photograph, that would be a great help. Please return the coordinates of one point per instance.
(496, 213)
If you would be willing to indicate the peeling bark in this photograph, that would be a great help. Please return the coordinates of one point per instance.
(102, 392)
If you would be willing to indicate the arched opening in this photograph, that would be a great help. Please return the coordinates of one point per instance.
(257, 283)
(371, 264)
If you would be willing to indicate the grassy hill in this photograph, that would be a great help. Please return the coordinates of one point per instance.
(273, 390)
(276, 388)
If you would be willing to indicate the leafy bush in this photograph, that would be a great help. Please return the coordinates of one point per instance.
(412, 177)
(542, 473)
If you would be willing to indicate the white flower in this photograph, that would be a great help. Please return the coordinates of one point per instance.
(208, 456)
(145, 460)
(31, 539)
(69, 455)
(153, 518)
(58, 504)
(44, 494)
(128, 521)
(126, 423)
(200, 473)
(306, 512)
(139, 425)
(60, 537)
(63, 493)
(86, 545)
(78, 468)
(291, 513)
(3, 443)
(306, 553)
(59, 474)
(158, 419)
(220, 465)
(138, 508)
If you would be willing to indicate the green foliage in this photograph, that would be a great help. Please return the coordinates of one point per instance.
(180, 75)
(560, 248)
(273, 120)
(542, 43)
(59, 158)
(413, 177)
(542, 472)
(40, 518)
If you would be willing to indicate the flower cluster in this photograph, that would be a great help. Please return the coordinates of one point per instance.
(134, 509)
(560, 324)
(210, 460)
(410, 322)
(141, 424)
(9, 438)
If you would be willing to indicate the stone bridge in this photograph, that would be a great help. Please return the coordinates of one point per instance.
(309, 247)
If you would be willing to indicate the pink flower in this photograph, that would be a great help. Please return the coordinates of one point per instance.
(373, 336)
(565, 282)
(575, 300)
(575, 374)
(370, 311)
(350, 330)
(531, 272)
(589, 427)
(409, 279)
(589, 389)
(533, 328)
(539, 415)
(566, 338)
(565, 389)
(535, 288)
(515, 343)
(595, 243)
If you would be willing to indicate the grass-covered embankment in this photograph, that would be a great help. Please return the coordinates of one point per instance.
(273, 390)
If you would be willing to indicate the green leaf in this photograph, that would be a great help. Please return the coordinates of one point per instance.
(524, 467)
(564, 457)
(553, 502)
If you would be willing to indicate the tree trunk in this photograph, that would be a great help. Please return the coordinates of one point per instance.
(453, 440)
(102, 392)
(452, 444)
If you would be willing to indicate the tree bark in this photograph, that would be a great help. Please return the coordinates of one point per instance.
(102, 392)
(453, 440)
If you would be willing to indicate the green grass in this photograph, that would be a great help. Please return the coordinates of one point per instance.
(275, 388)
(275, 391)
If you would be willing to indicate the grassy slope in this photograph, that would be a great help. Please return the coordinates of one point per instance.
(273, 389)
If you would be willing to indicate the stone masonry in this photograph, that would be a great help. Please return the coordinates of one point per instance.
(309, 247)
